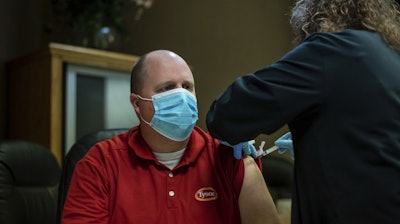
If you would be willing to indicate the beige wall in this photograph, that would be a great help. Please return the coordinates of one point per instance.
(219, 39)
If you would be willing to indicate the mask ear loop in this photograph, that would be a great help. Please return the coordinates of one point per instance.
(144, 99)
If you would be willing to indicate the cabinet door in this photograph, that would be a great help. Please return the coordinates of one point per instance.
(95, 99)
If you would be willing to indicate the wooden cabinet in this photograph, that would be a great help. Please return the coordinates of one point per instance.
(36, 91)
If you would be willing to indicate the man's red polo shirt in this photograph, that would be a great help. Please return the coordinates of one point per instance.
(120, 181)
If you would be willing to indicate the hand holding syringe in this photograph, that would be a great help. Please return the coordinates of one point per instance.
(282, 144)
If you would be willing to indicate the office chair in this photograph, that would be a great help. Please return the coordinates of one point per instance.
(77, 151)
(29, 175)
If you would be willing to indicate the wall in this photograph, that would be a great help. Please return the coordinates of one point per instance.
(21, 28)
(219, 39)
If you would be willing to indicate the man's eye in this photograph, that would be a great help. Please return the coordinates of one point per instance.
(166, 88)
(188, 87)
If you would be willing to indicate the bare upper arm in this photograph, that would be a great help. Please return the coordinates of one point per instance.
(255, 202)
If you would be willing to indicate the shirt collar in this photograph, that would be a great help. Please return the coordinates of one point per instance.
(197, 143)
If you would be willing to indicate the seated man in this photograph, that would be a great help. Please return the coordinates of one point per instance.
(166, 170)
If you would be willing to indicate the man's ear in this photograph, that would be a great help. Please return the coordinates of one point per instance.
(135, 102)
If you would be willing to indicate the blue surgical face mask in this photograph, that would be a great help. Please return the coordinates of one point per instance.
(175, 113)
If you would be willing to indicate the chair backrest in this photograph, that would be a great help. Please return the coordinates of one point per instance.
(278, 174)
(29, 176)
(77, 151)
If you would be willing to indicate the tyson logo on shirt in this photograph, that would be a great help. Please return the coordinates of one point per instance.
(206, 194)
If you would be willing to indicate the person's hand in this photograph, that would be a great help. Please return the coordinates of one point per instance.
(246, 148)
(285, 143)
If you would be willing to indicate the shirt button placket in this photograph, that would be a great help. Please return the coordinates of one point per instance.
(171, 190)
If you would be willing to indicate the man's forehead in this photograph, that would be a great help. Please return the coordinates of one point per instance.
(160, 77)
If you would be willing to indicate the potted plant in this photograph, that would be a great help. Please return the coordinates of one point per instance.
(96, 23)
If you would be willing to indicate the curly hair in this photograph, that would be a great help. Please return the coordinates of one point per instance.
(382, 16)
